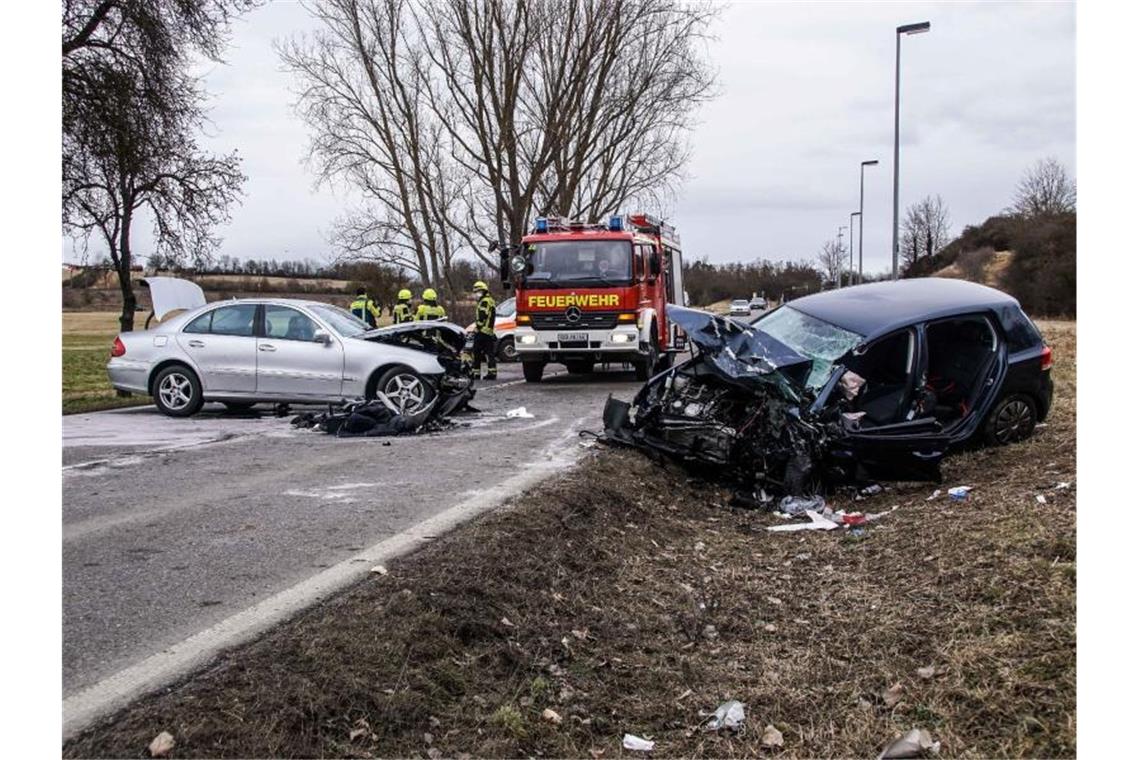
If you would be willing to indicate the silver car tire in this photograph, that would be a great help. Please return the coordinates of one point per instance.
(406, 389)
(177, 392)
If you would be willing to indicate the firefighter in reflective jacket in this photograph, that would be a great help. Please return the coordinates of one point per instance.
(485, 330)
(364, 308)
(430, 308)
(402, 311)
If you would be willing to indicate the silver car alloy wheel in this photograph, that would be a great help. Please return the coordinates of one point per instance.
(1014, 422)
(176, 391)
(406, 392)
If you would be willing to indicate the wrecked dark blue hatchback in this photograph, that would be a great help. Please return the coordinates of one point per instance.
(874, 382)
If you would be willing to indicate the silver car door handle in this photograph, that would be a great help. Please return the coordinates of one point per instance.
(266, 347)
(196, 344)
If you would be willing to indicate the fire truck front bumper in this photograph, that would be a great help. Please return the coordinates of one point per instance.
(620, 343)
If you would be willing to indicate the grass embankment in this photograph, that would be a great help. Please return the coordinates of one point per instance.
(628, 597)
(87, 338)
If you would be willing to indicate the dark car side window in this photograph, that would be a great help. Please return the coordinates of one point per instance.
(200, 325)
(1020, 332)
(234, 320)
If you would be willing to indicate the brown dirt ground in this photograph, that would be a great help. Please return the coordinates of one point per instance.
(629, 598)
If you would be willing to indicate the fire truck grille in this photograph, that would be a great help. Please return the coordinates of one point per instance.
(589, 320)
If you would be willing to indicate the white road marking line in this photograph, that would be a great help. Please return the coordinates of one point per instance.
(116, 691)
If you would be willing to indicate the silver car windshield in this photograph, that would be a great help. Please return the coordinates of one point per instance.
(342, 321)
(820, 341)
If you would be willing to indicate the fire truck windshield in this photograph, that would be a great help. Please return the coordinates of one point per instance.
(581, 262)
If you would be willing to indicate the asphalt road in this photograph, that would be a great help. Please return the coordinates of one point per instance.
(170, 526)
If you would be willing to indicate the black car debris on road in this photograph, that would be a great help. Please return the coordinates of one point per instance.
(866, 383)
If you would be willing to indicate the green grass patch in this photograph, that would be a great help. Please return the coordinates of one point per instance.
(86, 387)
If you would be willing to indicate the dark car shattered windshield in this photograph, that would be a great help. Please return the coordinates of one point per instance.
(760, 412)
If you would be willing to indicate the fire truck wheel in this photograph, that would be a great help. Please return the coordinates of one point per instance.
(532, 371)
(643, 366)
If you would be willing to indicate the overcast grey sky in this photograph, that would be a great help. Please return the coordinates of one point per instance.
(806, 93)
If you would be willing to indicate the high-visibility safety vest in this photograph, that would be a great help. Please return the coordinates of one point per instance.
(364, 308)
(430, 310)
(402, 312)
(485, 315)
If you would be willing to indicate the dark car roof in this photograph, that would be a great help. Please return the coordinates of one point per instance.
(881, 307)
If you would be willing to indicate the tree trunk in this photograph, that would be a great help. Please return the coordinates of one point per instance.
(126, 287)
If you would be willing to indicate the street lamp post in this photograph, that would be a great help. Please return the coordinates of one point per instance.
(918, 28)
(862, 166)
(851, 247)
(839, 269)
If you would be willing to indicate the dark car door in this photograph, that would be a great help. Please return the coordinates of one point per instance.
(906, 444)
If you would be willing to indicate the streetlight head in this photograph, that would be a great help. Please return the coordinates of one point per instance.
(918, 28)
(871, 163)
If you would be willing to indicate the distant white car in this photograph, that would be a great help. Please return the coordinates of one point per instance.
(740, 308)
(758, 304)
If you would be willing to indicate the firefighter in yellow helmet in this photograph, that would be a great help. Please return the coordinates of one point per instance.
(430, 308)
(402, 311)
(364, 308)
(485, 345)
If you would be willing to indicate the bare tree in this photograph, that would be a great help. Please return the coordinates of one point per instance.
(1045, 189)
(458, 121)
(925, 229)
(832, 259)
(130, 110)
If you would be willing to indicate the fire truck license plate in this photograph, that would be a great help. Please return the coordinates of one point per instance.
(571, 337)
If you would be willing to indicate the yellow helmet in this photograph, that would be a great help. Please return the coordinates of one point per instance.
(429, 294)
(479, 285)
(404, 294)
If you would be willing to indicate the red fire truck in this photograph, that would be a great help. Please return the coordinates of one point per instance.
(596, 293)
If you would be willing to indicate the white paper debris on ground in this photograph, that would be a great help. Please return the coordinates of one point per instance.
(729, 715)
(161, 745)
(379, 570)
(519, 414)
(1041, 499)
(958, 493)
(818, 522)
(935, 495)
(1062, 486)
(915, 743)
(772, 737)
(629, 741)
(551, 716)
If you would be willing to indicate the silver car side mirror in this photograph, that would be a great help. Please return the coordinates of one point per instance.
(320, 336)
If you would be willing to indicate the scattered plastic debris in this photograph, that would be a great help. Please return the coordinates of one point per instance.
(926, 673)
(871, 490)
(519, 414)
(772, 737)
(914, 743)
(1041, 499)
(818, 522)
(798, 505)
(935, 495)
(959, 493)
(379, 570)
(729, 715)
(161, 745)
(636, 743)
(1062, 486)
(551, 716)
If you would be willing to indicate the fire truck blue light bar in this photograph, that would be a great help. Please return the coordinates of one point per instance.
(615, 224)
(540, 224)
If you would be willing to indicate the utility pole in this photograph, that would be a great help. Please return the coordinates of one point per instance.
(839, 269)
(862, 166)
(907, 29)
(851, 247)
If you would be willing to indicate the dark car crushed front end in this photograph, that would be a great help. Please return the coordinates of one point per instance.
(743, 407)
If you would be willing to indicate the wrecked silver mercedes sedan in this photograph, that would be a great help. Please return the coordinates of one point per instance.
(875, 382)
(246, 351)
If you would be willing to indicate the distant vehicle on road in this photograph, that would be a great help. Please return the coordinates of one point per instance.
(246, 351)
(504, 331)
(740, 308)
(758, 304)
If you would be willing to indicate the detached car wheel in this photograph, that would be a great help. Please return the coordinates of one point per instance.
(507, 351)
(1012, 420)
(177, 392)
(405, 389)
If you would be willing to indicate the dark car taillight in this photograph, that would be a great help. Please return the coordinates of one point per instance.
(117, 348)
(1047, 358)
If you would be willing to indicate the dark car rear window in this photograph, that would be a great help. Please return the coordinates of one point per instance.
(1020, 332)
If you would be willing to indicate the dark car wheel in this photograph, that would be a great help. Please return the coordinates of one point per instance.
(532, 371)
(507, 350)
(1012, 420)
(405, 389)
(177, 392)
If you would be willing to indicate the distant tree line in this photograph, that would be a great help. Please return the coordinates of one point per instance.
(707, 283)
